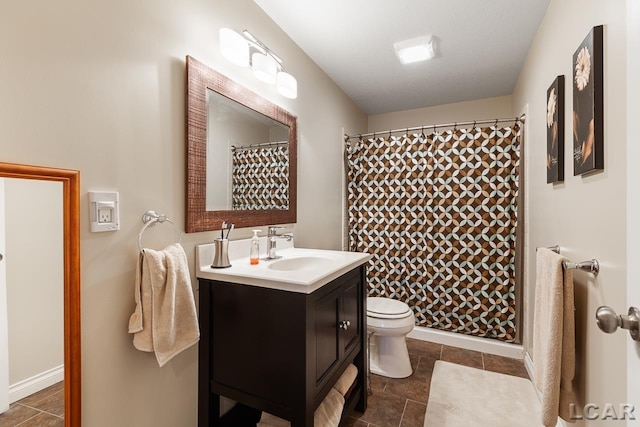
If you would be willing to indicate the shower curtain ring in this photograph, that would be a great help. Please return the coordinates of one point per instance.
(495, 125)
(455, 126)
(474, 124)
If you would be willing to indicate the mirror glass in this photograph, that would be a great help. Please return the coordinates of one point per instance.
(247, 158)
(241, 155)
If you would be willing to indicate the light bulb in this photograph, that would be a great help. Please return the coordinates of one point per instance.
(287, 85)
(264, 67)
(234, 47)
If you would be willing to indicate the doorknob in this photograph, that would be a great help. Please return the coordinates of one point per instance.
(608, 321)
(1, 257)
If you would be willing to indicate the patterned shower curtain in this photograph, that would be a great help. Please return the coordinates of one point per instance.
(260, 178)
(439, 214)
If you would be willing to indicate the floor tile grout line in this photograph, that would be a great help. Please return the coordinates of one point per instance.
(403, 411)
(35, 408)
(41, 410)
(30, 418)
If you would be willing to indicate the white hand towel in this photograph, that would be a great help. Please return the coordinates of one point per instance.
(554, 354)
(165, 319)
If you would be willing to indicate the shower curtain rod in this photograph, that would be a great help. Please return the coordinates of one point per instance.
(262, 144)
(446, 125)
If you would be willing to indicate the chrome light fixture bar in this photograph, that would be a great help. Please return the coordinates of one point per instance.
(246, 50)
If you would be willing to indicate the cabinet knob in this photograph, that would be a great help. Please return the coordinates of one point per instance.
(344, 324)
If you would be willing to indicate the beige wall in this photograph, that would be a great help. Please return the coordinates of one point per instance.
(482, 109)
(100, 87)
(33, 230)
(584, 215)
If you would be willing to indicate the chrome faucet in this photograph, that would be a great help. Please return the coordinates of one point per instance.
(272, 236)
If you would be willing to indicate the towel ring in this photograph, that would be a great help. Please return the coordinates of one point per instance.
(150, 218)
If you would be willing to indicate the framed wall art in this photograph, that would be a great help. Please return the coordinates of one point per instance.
(555, 131)
(588, 132)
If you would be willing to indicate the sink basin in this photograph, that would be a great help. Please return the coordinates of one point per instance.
(300, 263)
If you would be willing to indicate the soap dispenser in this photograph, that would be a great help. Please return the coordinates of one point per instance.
(254, 255)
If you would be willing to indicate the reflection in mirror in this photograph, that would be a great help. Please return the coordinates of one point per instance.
(247, 158)
(241, 155)
(68, 265)
(34, 296)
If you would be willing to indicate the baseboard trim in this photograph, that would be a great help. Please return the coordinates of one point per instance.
(528, 364)
(38, 382)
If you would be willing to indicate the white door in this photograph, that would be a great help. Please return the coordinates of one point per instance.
(633, 201)
(4, 330)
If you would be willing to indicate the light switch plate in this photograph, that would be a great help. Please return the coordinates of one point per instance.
(104, 210)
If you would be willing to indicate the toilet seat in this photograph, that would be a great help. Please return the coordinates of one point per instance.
(386, 308)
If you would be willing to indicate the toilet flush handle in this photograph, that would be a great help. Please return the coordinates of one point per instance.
(344, 324)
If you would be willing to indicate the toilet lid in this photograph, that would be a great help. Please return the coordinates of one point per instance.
(387, 308)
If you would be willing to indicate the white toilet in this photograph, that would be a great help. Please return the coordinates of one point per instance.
(390, 321)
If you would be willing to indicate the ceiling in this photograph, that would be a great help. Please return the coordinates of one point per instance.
(481, 46)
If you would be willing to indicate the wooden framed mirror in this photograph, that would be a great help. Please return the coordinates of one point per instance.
(224, 120)
(70, 180)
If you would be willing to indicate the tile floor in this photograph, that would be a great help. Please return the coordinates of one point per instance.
(393, 403)
(403, 402)
(42, 409)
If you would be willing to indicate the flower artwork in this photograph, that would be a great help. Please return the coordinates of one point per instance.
(588, 134)
(583, 68)
(555, 131)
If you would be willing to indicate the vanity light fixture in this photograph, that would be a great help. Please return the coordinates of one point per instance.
(415, 50)
(246, 50)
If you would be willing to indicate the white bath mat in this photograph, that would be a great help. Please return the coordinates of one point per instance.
(466, 397)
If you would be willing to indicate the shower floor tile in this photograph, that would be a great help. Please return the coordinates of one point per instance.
(411, 394)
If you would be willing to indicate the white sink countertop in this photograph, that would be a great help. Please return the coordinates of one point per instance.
(296, 269)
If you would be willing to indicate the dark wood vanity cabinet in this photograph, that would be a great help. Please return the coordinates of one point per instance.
(280, 351)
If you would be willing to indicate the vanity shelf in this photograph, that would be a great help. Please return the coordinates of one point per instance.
(280, 351)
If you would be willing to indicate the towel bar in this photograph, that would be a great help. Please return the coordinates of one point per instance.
(589, 266)
(555, 248)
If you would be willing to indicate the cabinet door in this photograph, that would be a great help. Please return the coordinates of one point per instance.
(350, 315)
(327, 311)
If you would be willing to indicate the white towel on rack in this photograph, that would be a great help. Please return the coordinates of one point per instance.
(165, 319)
(554, 354)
